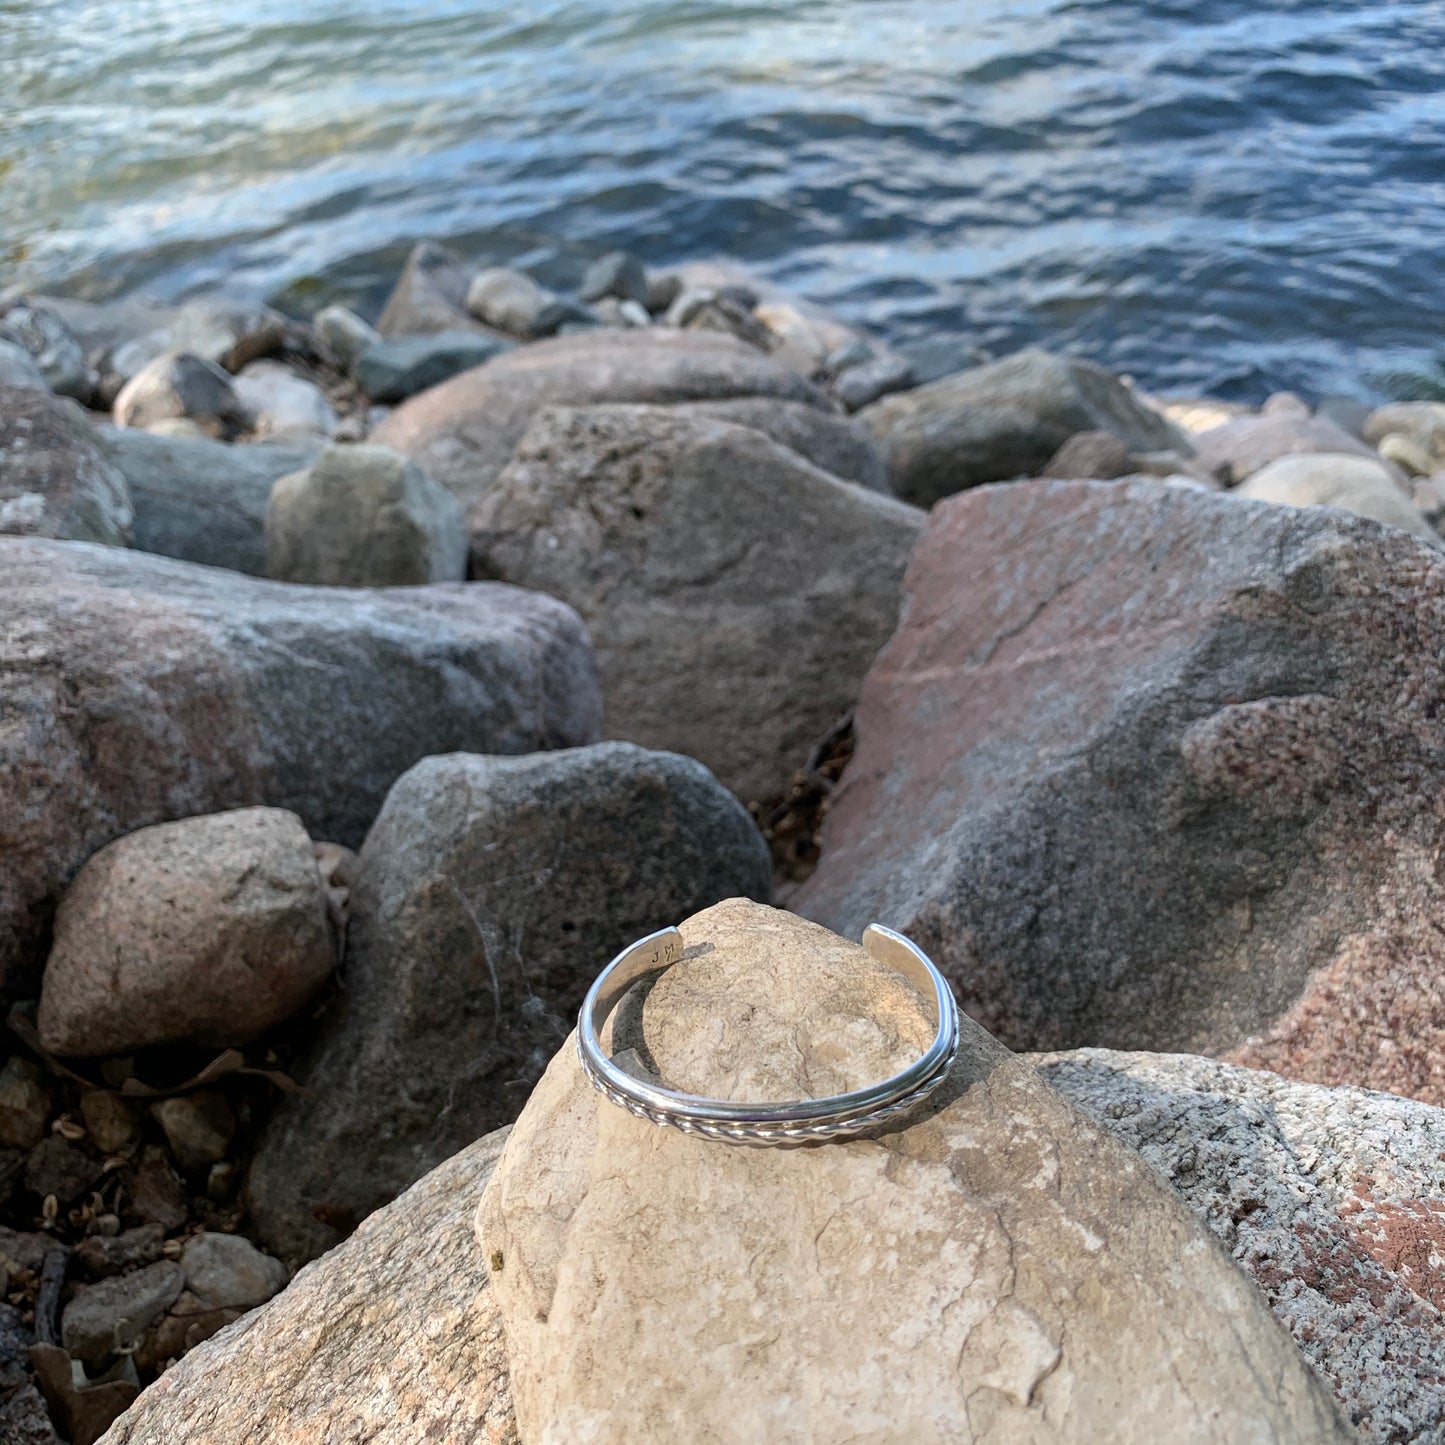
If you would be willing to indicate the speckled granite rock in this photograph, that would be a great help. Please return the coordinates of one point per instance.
(997, 1271)
(1157, 768)
(392, 1339)
(1332, 1200)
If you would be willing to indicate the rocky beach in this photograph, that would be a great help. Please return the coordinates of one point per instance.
(367, 682)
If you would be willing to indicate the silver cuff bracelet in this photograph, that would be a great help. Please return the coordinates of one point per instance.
(799, 1122)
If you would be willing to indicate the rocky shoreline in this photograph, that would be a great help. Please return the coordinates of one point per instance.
(364, 687)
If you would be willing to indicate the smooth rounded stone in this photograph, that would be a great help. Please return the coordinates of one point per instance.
(114, 1314)
(430, 295)
(17, 368)
(1004, 420)
(489, 894)
(997, 1270)
(734, 594)
(230, 334)
(1422, 422)
(51, 345)
(55, 479)
(179, 384)
(1329, 1199)
(230, 1272)
(25, 1100)
(364, 516)
(1234, 451)
(1407, 454)
(865, 382)
(200, 500)
(282, 404)
(618, 274)
(110, 1122)
(210, 930)
(391, 1339)
(402, 366)
(464, 431)
(1098, 455)
(833, 443)
(612, 312)
(1247, 727)
(199, 1127)
(512, 301)
(343, 335)
(1353, 484)
(139, 690)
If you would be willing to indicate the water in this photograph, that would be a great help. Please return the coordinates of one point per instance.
(1210, 195)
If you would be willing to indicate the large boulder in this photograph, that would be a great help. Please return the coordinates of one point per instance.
(200, 500)
(1354, 484)
(392, 1339)
(994, 1269)
(209, 930)
(734, 594)
(54, 348)
(1329, 1199)
(1157, 768)
(136, 690)
(489, 894)
(833, 443)
(55, 478)
(1005, 420)
(364, 516)
(463, 432)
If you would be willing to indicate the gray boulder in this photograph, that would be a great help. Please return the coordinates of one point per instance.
(391, 1339)
(201, 500)
(834, 444)
(868, 379)
(343, 336)
(178, 384)
(137, 690)
(430, 295)
(364, 516)
(489, 894)
(1159, 768)
(735, 595)
(18, 369)
(229, 1272)
(618, 274)
(51, 345)
(1235, 450)
(209, 930)
(55, 478)
(401, 366)
(1329, 1199)
(464, 431)
(1005, 420)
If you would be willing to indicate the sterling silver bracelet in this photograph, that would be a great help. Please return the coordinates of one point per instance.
(799, 1122)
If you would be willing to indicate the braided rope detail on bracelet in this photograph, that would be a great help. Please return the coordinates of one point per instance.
(773, 1134)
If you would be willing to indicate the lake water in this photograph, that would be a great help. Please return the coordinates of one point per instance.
(1210, 195)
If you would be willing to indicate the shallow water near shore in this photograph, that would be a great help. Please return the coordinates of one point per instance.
(1212, 196)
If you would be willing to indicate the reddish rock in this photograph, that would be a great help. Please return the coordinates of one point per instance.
(1331, 1200)
(1150, 767)
(463, 431)
(137, 690)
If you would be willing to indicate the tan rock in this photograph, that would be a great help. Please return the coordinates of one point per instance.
(392, 1339)
(210, 929)
(1420, 422)
(1353, 484)
(998, 1271)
